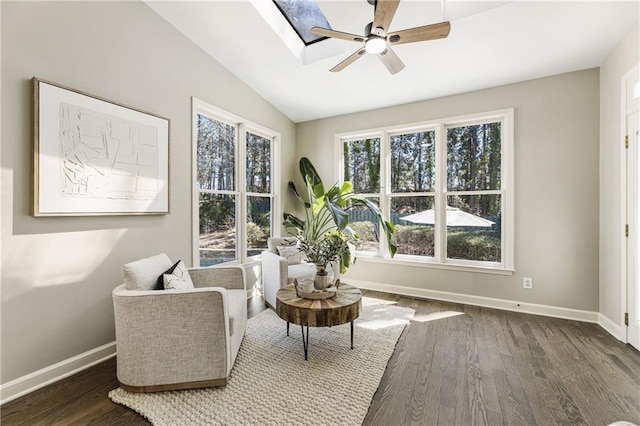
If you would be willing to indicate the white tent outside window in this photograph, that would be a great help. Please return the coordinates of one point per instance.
(455, 217)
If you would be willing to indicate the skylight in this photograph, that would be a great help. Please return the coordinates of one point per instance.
(303, 15)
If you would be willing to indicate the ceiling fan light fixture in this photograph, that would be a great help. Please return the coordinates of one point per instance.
(375, 44)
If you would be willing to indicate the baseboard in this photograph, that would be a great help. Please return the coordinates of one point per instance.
(45, 376)
(617, 331)
(487, 302)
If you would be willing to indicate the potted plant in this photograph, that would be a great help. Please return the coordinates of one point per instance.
(324, 233)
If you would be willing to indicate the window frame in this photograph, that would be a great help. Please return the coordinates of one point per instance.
(242, 126)
(439, 260)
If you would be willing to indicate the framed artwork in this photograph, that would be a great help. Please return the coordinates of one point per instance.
(96, 157)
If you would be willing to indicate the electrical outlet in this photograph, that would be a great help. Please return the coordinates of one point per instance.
(527, 283)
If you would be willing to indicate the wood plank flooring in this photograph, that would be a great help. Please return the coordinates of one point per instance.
(453, 365)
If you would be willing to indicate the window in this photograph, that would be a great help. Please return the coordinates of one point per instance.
(446, 185)
(234, 197)
(361, 159)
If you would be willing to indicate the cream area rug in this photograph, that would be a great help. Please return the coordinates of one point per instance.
(272, 384)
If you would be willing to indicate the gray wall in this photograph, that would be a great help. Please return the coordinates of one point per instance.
(621, 60)
(58, 273)
(556, 188)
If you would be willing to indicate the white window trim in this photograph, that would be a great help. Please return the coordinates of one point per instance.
(439, 261)
(243, 126)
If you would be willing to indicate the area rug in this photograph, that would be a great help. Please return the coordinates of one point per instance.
(272, 384)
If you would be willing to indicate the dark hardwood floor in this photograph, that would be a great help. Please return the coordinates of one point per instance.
(453, 365)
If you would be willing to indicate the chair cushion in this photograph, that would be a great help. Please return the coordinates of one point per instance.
(177, 277)
(143, 274)
(293, 254)
(301, 271)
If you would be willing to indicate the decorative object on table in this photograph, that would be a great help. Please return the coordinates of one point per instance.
(307, 290)
(324, 234)
(344, 380)
(96, 157)
(327, 293)
(307, 286)
(321, 279)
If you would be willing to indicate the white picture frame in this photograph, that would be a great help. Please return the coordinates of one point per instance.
(93, 157)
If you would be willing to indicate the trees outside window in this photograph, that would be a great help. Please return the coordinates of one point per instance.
(233, 174)
(361, 159)
(446, 185)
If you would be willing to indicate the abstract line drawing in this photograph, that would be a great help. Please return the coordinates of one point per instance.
(94, 157)
(106, 157)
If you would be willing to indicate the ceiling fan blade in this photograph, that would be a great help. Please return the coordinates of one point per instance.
(336, 34)
(385, 9)
(391, 61)
(351, 59)
(427, 32)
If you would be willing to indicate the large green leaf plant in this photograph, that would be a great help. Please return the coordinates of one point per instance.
(324, 233)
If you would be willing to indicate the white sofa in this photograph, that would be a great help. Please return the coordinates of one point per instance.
(178, 339)
(277, 271)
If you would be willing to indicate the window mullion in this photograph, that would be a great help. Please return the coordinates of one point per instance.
(385, 191)
(506, 186)
(440, 229)
(195, 193)
(241, 198)
(477, 192)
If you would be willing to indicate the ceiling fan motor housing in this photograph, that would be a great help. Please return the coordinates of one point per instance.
(369, 30)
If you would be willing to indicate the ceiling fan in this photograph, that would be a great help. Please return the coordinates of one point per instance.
(378, 40)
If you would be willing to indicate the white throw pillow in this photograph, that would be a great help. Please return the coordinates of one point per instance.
(177, 278)
(293, 254)
(143, 274)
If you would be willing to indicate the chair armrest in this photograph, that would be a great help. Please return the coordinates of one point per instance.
(275, 267)
(229, 277)
(167, 336)
(275, 275)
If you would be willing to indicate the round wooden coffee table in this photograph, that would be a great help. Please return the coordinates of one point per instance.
(342, 308)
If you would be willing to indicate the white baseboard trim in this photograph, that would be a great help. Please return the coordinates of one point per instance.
(617, 331)
(487, 302)
(58, 371)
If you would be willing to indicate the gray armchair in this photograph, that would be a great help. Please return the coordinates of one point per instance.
(178, 339)
(278, 271)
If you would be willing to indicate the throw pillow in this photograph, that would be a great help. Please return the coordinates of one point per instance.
(143, 274)
(177, 277)
(293, 254)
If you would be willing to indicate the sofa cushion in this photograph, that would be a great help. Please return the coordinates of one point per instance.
(143, 274)
(293, 254)
(177, 277)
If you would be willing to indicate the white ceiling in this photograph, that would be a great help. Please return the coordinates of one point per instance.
(490, 44)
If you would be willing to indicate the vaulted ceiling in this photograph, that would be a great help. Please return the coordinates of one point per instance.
(490, 44)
